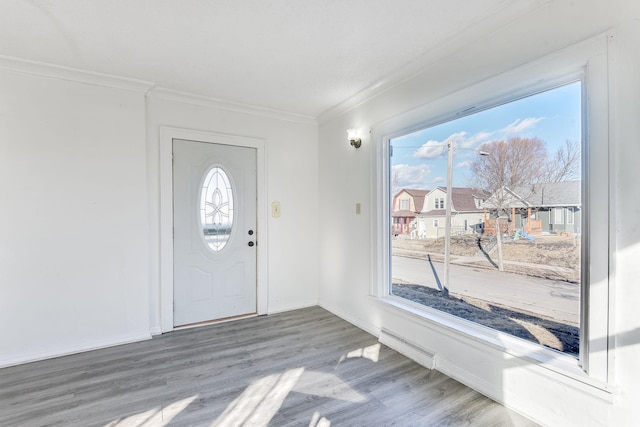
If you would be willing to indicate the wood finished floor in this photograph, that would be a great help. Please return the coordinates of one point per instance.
(301, 368)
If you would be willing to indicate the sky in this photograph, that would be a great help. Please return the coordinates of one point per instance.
(420, 159)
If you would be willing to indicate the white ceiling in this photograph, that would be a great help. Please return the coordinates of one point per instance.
(297, 56)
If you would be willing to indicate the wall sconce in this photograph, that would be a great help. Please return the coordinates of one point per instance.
(353, 138)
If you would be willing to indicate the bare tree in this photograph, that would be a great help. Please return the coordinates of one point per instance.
(510, 163)
(517, 163)
(566, 163)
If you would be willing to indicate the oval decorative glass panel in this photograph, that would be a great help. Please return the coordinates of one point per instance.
(216, 208)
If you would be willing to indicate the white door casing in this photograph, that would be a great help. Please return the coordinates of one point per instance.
(165, 267)
(214, 234)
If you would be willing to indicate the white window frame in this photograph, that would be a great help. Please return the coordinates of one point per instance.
(558, 214)
(436, 223)
(402, 204)
(589, 62)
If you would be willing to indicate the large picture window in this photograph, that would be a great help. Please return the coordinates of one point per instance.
(507, 260)
(555, 109)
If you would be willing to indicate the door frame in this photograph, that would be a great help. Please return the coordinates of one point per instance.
(167, 135)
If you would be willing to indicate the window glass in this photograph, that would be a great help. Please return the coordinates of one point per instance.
(216, 208)
(514, 263)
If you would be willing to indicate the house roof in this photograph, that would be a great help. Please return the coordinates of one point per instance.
(549, 194)
(464, 199)
(403, 214)
(417, 195)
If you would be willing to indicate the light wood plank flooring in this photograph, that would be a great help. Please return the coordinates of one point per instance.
(301, 368)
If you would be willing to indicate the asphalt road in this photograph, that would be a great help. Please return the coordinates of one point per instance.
(555, 299)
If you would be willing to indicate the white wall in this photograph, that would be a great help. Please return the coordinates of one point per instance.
(79, 187)
(73, 216)
(346, 242)
(292, 179)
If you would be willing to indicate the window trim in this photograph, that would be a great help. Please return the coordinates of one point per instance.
(587, 61)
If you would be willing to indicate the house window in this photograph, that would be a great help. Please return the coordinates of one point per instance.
(590, 82)
(404, 205)
(542, 135)
(570, 216)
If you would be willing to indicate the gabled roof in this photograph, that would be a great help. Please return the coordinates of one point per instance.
(417, 195)
(464, 199)
(549, 194)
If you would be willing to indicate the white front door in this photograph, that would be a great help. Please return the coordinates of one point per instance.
(215, 236)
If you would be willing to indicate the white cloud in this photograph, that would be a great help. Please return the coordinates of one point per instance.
(432, 149)
(438, 179)
(462, 140)
(410, 176)
(464, 164)
(521, 125)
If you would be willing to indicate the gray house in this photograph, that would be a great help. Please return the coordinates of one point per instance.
(546, 208)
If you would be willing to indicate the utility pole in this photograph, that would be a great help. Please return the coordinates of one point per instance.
(447, 225)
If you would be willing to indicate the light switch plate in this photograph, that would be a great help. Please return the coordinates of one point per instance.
(357, 208)
(275, 209)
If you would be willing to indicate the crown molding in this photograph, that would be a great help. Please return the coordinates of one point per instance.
(23, 66)
(482, 28)
(221, 104)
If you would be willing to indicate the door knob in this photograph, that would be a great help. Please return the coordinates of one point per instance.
(251, 243)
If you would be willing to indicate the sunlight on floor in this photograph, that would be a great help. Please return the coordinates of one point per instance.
(316, 421)
(372, 353)
(260, 401)
(158, 416)
(327, 385)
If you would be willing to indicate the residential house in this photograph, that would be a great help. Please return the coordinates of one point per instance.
(407, 203)
(546, 208)
(93, 94)
(466, 213)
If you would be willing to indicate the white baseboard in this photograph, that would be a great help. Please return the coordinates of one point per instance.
(365, 326)
(284, 308)
(34, 356)
(156, 330)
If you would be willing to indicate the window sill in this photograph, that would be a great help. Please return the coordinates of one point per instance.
(562, 367)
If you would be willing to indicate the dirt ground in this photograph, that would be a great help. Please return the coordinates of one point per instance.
(552, 257)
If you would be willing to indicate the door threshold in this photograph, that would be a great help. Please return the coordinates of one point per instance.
(215, 321)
